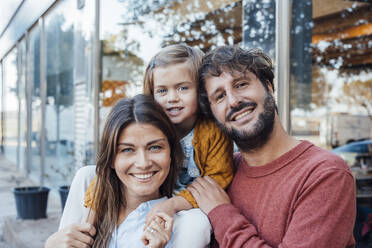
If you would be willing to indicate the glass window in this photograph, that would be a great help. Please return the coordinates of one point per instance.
(11, 107)
(1, 107)
(59, 111)
(33, 77)
(22, 140)
(83, 89)
(331, 71)
(132, 31)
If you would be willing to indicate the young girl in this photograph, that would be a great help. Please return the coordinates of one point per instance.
(171, 78)
(137, 167)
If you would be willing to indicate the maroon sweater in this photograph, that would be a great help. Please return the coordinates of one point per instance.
(305, 198)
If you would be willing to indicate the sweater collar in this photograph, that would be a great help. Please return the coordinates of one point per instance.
(275, 165)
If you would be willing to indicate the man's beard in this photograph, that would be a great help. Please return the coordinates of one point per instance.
(261, 131)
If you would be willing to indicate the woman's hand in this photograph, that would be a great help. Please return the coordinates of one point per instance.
(72, 236)
(158, 233)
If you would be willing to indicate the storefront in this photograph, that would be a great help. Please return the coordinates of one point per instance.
(73, 59)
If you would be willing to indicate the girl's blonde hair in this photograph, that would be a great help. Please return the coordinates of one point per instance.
(172, 55)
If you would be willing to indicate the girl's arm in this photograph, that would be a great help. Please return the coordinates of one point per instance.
(213, 153)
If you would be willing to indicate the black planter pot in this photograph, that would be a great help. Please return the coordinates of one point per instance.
(63, 193)
(31, 202)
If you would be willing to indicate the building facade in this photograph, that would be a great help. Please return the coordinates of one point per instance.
(64, 63)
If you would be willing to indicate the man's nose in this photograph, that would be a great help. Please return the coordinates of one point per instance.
(232, 98)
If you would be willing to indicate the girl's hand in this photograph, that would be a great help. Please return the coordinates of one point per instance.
(166, 207)
(75, 235)
(159, 232)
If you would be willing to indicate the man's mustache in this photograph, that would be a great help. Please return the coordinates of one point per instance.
(238, 108)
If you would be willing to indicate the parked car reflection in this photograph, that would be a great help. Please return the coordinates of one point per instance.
(358, 155)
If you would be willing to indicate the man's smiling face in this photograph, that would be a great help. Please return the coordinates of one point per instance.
(242, 107)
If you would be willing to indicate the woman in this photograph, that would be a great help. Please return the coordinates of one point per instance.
(136, 168)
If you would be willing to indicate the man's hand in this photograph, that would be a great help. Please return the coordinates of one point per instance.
(75, 235)
(208, 193)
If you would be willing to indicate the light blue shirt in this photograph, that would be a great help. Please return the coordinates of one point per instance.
(189, 170)
(130, 230)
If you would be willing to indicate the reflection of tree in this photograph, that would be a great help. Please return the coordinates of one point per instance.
(125, 51)
(320, 88)
(359, 93)
(59, 90)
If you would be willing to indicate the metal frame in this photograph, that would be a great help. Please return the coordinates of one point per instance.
(42, 96)
(2, 106)
(97, 76)
(282, 53)
(29, 105)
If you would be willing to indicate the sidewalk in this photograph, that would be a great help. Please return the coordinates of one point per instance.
(16, 233)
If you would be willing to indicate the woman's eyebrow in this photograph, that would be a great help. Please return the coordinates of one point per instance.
(125, 144)
(155, 141)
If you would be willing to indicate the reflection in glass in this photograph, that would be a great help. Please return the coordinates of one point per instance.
(259, 25)
(10, 107)
(331, 65)
(132, 31)
(33, 78)
(83, 89)
(59, 113)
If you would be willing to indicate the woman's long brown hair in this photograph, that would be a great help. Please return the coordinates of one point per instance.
(108, 194)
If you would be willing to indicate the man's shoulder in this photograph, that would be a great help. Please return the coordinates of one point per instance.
(325, 159)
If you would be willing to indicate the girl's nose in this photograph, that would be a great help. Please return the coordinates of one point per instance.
(173, 96)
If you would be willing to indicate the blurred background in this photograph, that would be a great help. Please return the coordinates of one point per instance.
(63, 64)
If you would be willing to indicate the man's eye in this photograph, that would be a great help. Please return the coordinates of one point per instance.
(220, 97)
(240, 85)
(155, 148)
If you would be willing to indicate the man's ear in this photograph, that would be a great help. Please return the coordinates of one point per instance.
(270, 87)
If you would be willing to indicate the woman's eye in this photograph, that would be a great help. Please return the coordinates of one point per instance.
(127, 150)
(155, 148)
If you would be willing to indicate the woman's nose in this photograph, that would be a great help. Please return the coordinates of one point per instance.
(142, 160)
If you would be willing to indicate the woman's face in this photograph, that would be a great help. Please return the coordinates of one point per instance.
(143, 160)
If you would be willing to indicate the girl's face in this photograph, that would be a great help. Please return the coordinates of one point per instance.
(143, 161)
(176, 91)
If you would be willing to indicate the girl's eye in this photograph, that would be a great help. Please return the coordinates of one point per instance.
(183, 88)
(155, 148)
(161, 91)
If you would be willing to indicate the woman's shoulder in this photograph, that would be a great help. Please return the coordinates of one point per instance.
(85, 173)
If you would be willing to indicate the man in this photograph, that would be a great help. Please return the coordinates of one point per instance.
(285, 192)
